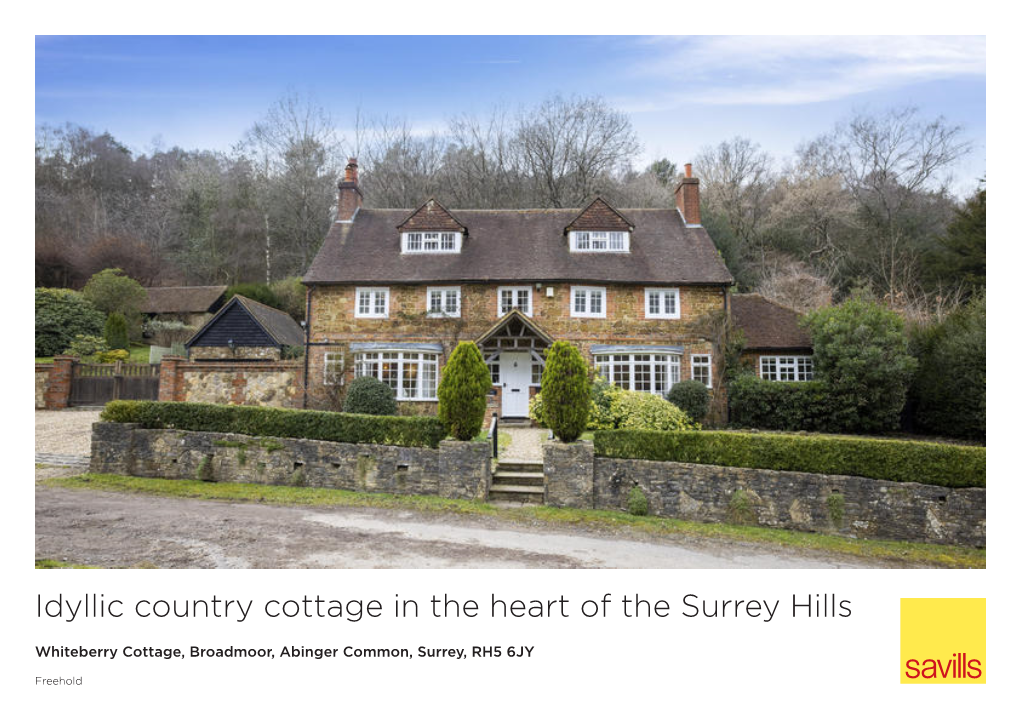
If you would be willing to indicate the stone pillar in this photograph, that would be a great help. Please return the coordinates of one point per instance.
(569, 474)
(168, 368)
(58, 392)
(113, 448)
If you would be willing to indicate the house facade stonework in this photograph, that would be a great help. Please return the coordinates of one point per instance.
(392, 292)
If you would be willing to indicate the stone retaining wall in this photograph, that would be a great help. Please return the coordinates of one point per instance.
(843, 505)
(456, 469)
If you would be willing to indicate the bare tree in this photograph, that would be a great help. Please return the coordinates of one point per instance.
(793, 283)
(571, 146)
(893, 165)
(737, 177)
(296, 154)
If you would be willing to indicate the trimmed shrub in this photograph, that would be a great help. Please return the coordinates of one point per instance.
(567, 391)
(861, 355)
(463, 391)
(603, 414)
(637, 502)
(691, 397)
(111, 356)
(649, 412)
(903, 461)
(370, 396)
(771, 405)
(416, 431)
(113, 291)
(60, 315)
(116, 332)
(536, 410)
(949, 395)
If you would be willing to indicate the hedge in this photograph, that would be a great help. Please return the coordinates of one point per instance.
(418, 431)
(775, 406)
(903, 461)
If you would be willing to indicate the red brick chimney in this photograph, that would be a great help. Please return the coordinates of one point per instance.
(348, 195)
(688, 199)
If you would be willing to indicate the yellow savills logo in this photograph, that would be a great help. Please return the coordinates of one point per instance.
(942, 640)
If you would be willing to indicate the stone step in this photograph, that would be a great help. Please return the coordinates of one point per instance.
(513, 478)
(516, 493)
(512, 466)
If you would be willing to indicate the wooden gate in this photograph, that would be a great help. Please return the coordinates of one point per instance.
(93, 384)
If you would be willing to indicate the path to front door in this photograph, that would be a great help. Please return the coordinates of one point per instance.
(525, 444)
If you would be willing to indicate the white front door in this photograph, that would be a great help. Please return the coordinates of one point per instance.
(515, 374)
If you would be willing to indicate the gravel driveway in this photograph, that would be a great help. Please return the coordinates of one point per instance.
(64, 432)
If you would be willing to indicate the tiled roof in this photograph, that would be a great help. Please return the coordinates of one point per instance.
(284, 329)
(519, 245)
(183, 299)
(767, 325)
(599, 215)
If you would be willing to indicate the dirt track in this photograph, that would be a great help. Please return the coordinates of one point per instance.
(126, 530)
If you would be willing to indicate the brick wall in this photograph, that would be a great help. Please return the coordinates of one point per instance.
(42, 381)
(332, 321)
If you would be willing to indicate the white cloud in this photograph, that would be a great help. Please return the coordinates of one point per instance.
(791, 70)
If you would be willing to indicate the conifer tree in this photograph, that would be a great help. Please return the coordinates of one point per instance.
(566, 391)
(463, 391)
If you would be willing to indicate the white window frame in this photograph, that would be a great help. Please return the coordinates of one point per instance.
(660, 292)
(430, 241)
(794, 366)
(607, 363)
(423, 361)
(587, 291)
(373, 292)
(515, 289)
(702, 361)
(444, 291)
(333, 377)
(600, 241)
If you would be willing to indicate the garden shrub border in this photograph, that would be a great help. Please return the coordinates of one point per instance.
(411, 431)
(889, 460)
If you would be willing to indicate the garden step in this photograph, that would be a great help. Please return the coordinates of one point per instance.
(516, 478)
(521, 466)
(519, 494)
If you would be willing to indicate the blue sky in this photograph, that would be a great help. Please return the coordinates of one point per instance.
(682, 93)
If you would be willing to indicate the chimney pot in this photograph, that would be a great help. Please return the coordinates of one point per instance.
(687, 170)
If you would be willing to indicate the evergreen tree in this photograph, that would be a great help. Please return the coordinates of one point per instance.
(861, 354)
(566, 391)
(116, 332)
(463, 391)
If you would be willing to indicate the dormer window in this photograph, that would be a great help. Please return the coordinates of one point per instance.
(431, 242)
(600, 241)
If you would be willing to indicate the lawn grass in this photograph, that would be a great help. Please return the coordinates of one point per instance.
(894, 551)
(53, 563)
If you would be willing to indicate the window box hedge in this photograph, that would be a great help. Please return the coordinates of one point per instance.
(416, 431)
(891, 460)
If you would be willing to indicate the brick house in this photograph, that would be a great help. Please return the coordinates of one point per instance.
(776, 346)
(391, 293)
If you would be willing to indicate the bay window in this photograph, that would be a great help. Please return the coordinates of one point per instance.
(649, 372)
(412, 376)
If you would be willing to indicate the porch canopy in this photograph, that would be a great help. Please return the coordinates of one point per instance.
(514, 332)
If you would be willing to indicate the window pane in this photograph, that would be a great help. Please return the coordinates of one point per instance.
(579, 301)
(536, 374)
(595, 304)
(653, 304)
(506, 302)
(410, 380)
(428, 380)
(669, 303)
